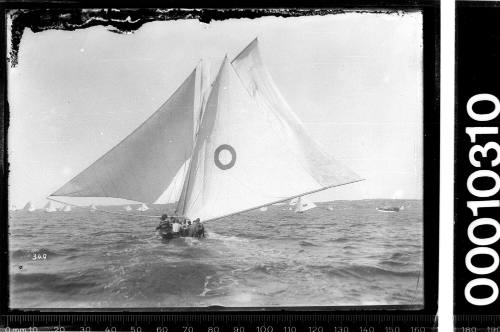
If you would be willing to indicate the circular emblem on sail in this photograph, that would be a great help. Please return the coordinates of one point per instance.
(225, 156)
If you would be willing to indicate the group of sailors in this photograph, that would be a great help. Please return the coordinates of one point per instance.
(179, 226)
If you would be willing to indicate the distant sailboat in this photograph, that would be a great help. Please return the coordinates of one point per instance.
(397, 195)
(216, 149)
(263, 209)
(304, 204)
(50, 207)
(66, 208)
(292, 203)
(143, 207)
(92, 208)
(128, 208)
(29, 207)
(391, 208)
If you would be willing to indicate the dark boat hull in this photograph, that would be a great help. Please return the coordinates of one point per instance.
(168, 235)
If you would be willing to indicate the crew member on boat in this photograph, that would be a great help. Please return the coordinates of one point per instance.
(164, 224)
(176, 226)
(186, 229)
(198, 228)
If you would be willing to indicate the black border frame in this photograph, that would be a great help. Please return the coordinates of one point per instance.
(431, 106)
(477, 68)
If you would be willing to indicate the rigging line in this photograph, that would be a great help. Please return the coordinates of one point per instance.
(110, 212)
(285, 199)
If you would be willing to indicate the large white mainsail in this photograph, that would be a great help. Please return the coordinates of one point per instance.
(142, 166)
(243, 160)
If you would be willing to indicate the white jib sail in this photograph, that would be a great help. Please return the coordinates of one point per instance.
(304, 204)
(142, 166)
(201, 92)
(242, 159)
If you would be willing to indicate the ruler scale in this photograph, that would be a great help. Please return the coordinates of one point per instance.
(203, 322)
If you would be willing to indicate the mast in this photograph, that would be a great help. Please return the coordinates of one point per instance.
(206, 90)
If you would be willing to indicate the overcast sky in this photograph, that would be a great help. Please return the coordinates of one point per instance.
(354, 79)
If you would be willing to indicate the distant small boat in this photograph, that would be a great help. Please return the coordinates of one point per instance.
(143, 208)
(303, 204)
(66, 208)
(330, 208)
(92, 208)
(49, 207)
(128, 208)
(29, 207)
(391, 208)
(263, 209)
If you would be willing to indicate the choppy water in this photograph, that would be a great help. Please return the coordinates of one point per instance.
(353, 255)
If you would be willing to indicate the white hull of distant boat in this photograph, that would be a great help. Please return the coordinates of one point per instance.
(390, 209)
(303, 204)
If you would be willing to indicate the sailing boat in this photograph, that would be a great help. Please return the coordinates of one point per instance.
(92, 208)
(390, 209)
(143, 207)
(397, 195)
(49, 207)
(66, 208)
(304, 204)
(128, 208)
(215, 149)
(29, 207)
(263, 209)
